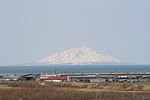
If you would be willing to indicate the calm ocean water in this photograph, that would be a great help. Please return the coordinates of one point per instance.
(5, 70)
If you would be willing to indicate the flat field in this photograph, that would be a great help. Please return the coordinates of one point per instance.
(69, 91)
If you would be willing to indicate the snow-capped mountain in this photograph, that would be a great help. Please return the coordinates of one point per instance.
(79, 55)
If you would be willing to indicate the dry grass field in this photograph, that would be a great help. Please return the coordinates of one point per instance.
(57, 91)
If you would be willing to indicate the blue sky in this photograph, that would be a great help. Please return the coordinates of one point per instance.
(33, 29)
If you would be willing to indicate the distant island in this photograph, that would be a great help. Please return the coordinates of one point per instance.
(78, 56)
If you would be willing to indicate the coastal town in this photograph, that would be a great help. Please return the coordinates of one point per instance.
(130, 77)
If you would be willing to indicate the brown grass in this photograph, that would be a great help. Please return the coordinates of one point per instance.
(34, 91)
(72, 84)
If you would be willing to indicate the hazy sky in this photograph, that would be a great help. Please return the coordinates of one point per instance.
(33, 29)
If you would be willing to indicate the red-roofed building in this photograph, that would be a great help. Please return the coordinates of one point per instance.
(56, 79)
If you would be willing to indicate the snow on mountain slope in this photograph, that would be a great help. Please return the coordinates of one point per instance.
(81, 55)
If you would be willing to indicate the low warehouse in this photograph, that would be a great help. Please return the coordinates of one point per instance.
(56, 79)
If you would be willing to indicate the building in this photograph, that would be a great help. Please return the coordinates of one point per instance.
(28, 77)
(44, 76)
(56, 79)
(90, 78)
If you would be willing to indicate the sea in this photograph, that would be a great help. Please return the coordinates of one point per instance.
(7, 70)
